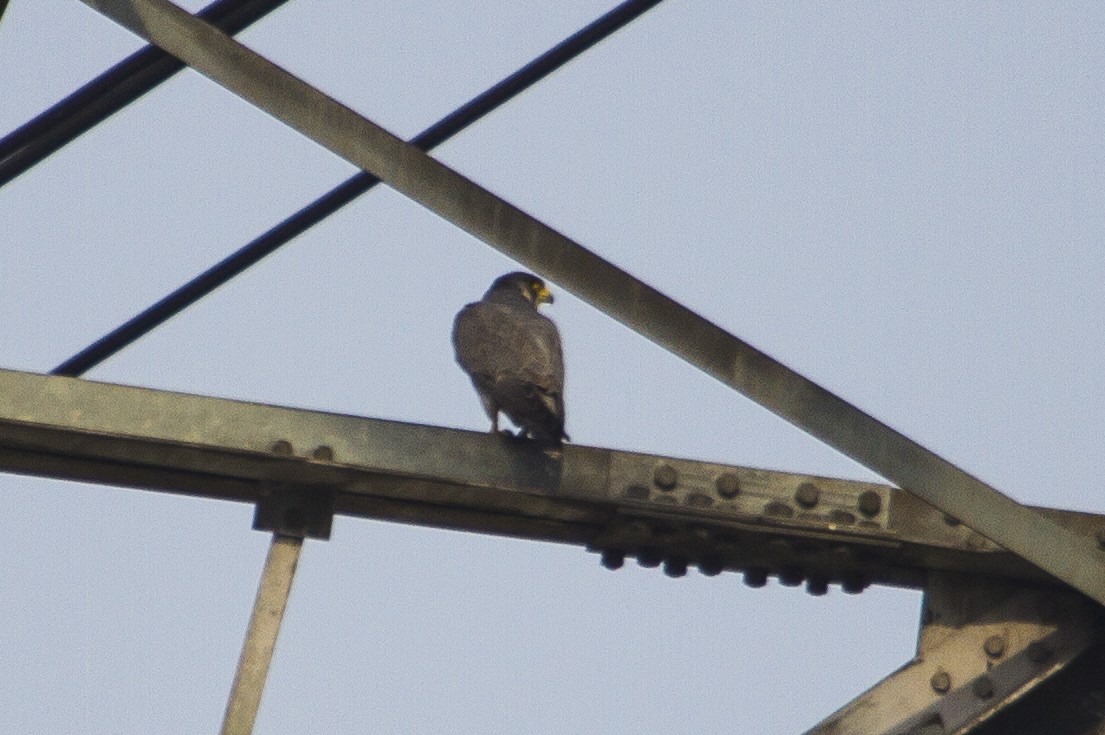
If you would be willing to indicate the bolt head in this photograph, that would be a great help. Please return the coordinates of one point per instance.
(755, 577)
(870, 503)
(994, 646)
(613, 558)
(807, 495)
(283, 447)
(728, 485)
(941, 682)
(323, 454)
(665, 477)
(817, 587)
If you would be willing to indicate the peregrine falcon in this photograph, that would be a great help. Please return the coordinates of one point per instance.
(512, 354)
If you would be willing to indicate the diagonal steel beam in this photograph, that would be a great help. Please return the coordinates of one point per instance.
(267, 243)
(111, 91)
(1069, 556)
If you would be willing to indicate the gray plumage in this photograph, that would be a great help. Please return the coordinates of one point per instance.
(512, 354)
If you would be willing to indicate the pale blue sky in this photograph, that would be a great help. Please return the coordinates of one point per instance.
(903, 201)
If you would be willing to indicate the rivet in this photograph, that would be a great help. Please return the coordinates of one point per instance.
(665, 477)
(613, 558)
(728, 485)
(675, 568)
(983, 687)
(755, 577)
(817, 586)
(941, 682)
(282, 447)
(649, 558)
(870, 503)
(994, 646)
(807, 495)
(323, 454)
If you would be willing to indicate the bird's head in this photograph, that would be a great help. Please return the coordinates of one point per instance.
(532, 288)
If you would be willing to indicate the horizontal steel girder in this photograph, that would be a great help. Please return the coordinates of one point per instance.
(657, 509)
(1070, 556)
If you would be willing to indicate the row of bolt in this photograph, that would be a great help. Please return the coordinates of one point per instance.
(728, 486)
(994, 648)
(753, 577)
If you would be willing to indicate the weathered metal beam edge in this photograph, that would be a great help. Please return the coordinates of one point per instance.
(1071, 557)
(660, 510)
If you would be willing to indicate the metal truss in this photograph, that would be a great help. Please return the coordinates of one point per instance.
(1006, 631)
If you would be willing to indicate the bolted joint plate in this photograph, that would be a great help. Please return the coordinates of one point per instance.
(972, 669)
(797, 527)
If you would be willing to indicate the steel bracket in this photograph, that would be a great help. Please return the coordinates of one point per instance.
(983, 644)
(299, 511)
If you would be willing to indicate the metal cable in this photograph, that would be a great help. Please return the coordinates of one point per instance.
(349, 190)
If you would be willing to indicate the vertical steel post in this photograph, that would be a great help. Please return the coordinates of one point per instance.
(264, 625)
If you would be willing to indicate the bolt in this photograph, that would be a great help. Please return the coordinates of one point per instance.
(807, 495)
(941, 682)
(613, 558)
(282, 447)
(665, 477)
(675, 568)
(710, 567)
(817, 586)
(870, 503)
(728, 485)
(755, 577)
(994, 646)
(983, 687)
(323, 454)
(853, 584)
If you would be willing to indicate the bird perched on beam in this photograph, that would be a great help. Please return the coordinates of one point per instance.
(512, 354)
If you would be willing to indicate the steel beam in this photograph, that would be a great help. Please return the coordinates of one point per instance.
(110, 92)
(264, 626)
(1069, 556)
(660, 510)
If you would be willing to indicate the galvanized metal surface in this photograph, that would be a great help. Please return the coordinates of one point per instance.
(984, 645)
(264, 626)
(660, 510)
(1071, 557)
